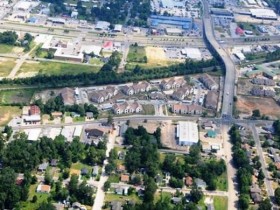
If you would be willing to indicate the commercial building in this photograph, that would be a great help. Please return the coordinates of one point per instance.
(183, 22)
(192, 53)
(118, 28)
(170, 4)
(221, 12)
(187, 133)
(266, 14)
(173, 31)
(102, 25)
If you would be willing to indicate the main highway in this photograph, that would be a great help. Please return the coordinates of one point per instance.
(228, 94)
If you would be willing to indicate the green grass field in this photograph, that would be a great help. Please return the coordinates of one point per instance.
(220, 203)
(6, 66)
(96, 61)
(6, 48)
(222, 182)
(137, 54)
(114, 178)
(55, 68)
(16, 96)
(7, 113)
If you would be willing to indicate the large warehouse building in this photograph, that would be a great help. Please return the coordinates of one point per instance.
(187, 133)
(266, 14)
(184, 23)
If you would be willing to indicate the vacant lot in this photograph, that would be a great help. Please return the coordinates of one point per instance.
(16, 96)
(220, 203)
(10, 49)
(137, 54)
(54, 68)
(7, 113)
(267, 106)
(6, 66)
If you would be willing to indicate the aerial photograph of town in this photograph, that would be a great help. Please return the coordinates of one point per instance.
(140, 104)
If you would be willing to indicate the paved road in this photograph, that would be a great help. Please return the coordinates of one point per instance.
(267, 182)
(229, 86)
(231, 171)
(100, 194)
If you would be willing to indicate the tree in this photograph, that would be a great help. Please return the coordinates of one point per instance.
(110, 120)
(265, 205)
(150, 189)
(47, 178)
(256, 113)
(107, 186)
(109, 168)
(261, 176)
(243, 201)
(34, 199)
(196, 194)
(46, 206)
(277, 195)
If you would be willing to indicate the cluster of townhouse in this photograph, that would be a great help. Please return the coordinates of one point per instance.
(187, 109)
(208, 82)
(172, 83)
(127, 108)
(211, 100)
(140, 87)
(261, 81)
(181, 93)
(100, 96)
(259, 91)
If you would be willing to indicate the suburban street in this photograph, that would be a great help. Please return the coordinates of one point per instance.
(267, 181)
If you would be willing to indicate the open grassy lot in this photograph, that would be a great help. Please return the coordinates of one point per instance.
(114, 178)
(222, 182)
(148, 109)
(53, 68)
(16, 96)
(137, 54)
(10, 49)
(6, 66)
(96, 61)
(7, 113)
(114, 197)
(41, 197)
(220, 202)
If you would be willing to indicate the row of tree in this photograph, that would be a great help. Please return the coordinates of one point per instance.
(111, 77)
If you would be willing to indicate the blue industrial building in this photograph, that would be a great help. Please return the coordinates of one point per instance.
(185, 23)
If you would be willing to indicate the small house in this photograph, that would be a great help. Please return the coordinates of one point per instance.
(95, 171)
(43, 188)
(84, 171)
(200, 183)
(124, 178)
(43, 167)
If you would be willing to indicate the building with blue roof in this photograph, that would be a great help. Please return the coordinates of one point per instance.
(185, 23)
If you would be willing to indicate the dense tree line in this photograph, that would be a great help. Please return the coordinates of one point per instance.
(245, 171)
(113, 63)
(111, 77)
(21, 156)
(57, 7)
(57, 104)
(143, 153)
(8, 37)
(273, 56)
(275, 4)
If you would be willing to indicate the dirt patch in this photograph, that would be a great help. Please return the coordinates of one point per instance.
(267, 106)
(17, 50)
(33, 62)
(155, 54)
(27, 74)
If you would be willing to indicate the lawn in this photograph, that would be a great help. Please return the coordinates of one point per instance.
(137, 54)
(114, 178)
(22, 96)
(96, 61)
(148, 109)
(6, 66)
(220, 203)
(6, 48)
(162, 195)
(27, 205)
(114, 197)
(54, 68)
(79, 166)
(222, 182)
(78, 119)
(7, 113)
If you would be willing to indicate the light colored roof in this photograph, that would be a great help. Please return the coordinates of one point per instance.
(32, 118)
(173, 30)
(33, 134)
(91, 48)
(118, 27)
(193, 53)
(101, 25)
(78, 130)
(187, 132)
(263, 13)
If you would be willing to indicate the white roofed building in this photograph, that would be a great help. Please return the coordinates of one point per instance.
(118, 28)
(187, 133)
(192, 53)
(266, 14)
